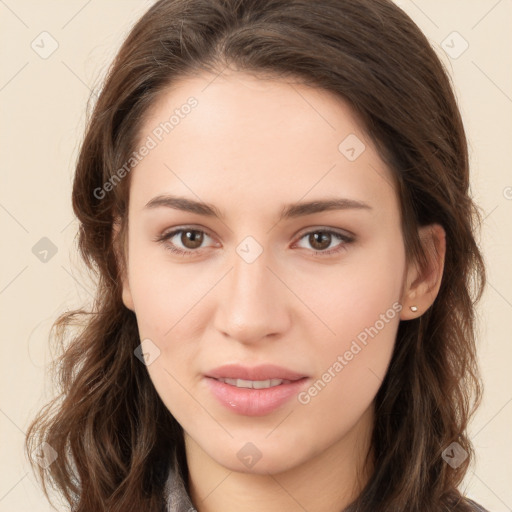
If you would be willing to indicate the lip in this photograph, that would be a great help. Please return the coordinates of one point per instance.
(261, 372)
(254, 402)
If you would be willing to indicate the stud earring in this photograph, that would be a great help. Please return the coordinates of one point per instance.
(413, 308)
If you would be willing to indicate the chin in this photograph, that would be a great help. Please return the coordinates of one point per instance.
(264, 461)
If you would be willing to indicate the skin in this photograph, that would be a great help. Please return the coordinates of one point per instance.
(251, 146)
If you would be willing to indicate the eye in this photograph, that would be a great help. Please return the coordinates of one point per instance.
(190, 238)
(321, 239)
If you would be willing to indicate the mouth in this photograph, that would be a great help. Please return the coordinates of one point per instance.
(254, 391)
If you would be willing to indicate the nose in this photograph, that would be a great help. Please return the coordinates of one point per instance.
(253, 302)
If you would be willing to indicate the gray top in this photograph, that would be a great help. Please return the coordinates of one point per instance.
(176, 494)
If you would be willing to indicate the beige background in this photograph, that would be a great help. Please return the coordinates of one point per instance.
(43, 104)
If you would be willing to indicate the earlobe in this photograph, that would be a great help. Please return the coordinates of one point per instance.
(423, 281)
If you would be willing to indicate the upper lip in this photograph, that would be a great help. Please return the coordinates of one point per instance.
(261, 372)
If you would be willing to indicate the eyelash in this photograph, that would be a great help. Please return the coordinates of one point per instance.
(172, 248)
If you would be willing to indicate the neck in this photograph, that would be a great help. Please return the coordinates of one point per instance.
(330, 480)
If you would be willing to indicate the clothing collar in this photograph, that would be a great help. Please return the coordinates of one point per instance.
(177, 498)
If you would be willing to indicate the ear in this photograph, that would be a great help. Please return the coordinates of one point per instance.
(423, 281)
(121, 253)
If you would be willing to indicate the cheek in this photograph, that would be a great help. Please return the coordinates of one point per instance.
(350, 365)
(347, 299)
(163, 291)
(359, 303)
(169, 306)
(353, 361)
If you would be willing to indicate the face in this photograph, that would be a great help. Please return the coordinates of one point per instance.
(313, 291)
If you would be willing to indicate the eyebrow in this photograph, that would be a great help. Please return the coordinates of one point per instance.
(289, 211)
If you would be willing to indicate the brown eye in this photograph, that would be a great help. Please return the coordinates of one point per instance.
(320, 240)
(183, 241)
(191, 239)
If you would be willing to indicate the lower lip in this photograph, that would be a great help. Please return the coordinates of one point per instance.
(254, 402)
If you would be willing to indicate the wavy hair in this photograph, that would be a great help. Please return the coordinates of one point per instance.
(111, 431)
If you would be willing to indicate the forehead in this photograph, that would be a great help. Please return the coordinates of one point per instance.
(251, 141)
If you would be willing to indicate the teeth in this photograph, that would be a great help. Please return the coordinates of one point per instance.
(255, 384)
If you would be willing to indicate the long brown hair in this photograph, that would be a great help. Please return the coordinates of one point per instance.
(112, 433)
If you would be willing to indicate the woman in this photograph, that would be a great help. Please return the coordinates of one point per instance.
(274, 195)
